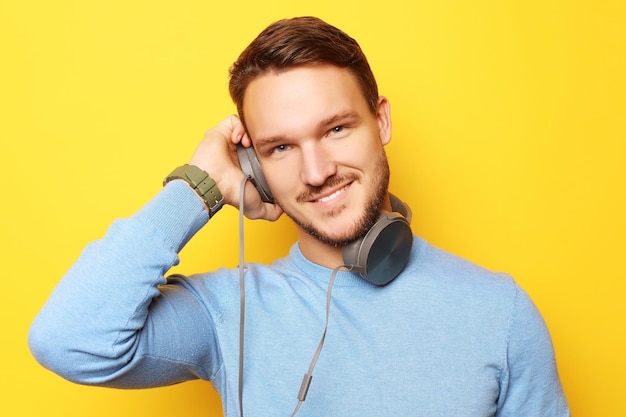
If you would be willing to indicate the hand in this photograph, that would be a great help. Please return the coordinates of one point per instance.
(217, 155)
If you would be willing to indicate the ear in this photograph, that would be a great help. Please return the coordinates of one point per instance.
(383, 118)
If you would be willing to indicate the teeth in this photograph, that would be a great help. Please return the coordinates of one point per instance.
(332, 196)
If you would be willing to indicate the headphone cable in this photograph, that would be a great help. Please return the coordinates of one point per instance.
(242, 295)
(306, 381)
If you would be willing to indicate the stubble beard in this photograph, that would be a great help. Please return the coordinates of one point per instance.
(371, 212)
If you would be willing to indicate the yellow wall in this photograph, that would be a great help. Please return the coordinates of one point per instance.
(509, 144)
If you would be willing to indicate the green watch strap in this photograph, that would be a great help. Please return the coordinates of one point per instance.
(202, 184)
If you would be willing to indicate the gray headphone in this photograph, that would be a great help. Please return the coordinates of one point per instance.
(380, 255)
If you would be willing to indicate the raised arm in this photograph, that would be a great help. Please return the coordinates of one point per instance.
(111, 321)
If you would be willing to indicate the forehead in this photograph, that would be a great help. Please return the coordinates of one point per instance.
(293, 101)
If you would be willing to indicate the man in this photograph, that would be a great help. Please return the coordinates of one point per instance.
(443, 338)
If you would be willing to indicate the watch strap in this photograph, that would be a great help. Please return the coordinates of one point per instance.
(201, 183)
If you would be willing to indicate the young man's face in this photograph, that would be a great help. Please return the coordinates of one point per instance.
(321, 149)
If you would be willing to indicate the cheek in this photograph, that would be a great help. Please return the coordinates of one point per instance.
(365, 153)
(280, 177)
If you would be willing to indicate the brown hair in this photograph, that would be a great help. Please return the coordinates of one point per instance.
(300, 41)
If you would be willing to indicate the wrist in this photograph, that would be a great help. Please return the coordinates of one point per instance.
(201, 183)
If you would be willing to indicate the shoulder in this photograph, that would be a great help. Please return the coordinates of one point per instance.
(471, 290)
(437, 267)
(221, 287)
(456, 287)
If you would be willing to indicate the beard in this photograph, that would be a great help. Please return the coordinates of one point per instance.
(368, 218)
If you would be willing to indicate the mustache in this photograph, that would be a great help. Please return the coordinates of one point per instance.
(313, 191)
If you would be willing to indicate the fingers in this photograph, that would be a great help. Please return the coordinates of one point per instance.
(238, 132)
(232, 128)
(217, 156)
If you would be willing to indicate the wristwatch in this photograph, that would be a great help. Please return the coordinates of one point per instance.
(201, 183)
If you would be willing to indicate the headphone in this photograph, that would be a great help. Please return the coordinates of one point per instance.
(380, 255)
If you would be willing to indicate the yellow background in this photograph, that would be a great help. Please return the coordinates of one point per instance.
(509, 145)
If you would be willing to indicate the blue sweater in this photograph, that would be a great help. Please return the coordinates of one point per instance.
(446, 338)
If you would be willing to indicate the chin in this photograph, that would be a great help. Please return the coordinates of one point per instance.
(349, 233)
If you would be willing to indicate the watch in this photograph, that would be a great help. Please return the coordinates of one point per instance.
(201, 183)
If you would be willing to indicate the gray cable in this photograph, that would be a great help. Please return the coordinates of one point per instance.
(306, 382)
(242, 295)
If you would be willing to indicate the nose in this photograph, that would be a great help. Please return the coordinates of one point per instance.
(317, 165)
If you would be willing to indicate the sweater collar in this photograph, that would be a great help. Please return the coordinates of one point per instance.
(321, 274)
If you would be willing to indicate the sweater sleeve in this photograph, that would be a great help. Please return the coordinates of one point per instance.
(110, 321)
(530, 384)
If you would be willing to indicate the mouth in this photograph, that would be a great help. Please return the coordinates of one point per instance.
(333, 189)
(333, 196)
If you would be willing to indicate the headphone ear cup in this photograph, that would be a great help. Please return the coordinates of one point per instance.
(251, 167)
(382, 254)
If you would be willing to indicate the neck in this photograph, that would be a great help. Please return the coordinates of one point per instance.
(320, 253)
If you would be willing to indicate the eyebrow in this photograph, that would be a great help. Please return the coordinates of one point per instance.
(349, 115)
(263, 142)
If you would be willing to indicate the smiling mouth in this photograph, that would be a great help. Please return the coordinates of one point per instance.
(332, 196)
(318, 194)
